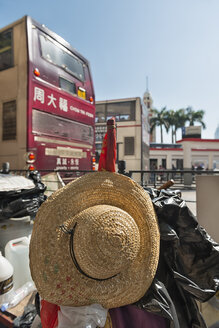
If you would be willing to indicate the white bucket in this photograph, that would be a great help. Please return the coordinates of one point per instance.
(17, 253)
(6, 279)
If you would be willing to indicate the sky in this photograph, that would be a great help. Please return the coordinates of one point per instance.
(175, 43)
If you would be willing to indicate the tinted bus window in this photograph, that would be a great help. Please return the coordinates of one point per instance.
(67, 85)
(58, 55)
(55, 126)
(9, 121)
(6, 51)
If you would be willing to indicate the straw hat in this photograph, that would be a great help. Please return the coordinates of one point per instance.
(95, 241)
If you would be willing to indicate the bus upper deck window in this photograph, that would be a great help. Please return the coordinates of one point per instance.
(57, 54)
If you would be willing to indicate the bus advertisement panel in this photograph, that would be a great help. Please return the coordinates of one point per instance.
(47, 100)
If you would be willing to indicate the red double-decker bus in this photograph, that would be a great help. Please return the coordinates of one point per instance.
(47, 100)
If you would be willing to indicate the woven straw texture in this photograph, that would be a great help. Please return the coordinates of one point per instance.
(116, 238)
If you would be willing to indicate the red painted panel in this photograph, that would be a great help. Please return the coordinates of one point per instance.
(198, 140)
(166, 149)
(58, 102)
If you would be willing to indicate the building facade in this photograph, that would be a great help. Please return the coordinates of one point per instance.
(132, 130)
(187, 153)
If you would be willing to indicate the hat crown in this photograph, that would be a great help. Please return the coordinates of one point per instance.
(106, 241)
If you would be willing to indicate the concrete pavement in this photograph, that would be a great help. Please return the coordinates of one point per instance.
(189, 196)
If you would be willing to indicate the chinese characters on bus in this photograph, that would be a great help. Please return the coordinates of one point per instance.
(57, 102)
(64, 163)
(39, 95)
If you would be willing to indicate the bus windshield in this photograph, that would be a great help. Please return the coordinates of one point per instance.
(60, 56)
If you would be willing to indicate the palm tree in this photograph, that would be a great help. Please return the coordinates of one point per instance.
(159, 119)
(193, 116)
(176, 119)
(171, 118)
(180, 120)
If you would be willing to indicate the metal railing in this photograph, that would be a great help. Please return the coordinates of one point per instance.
(150, 178)
(156, 178)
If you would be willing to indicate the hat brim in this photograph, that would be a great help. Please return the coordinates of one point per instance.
(55, 275)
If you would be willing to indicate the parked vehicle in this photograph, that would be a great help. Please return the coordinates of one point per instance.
(47, 100)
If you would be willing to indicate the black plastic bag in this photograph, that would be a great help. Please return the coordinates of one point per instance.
(26, 320)
(188, 266)
(23, 202)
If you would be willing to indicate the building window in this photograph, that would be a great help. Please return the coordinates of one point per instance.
(6, 51)
(100, 131)
(9, 121)
(122, 111)
(129, 146)
(100, 116)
